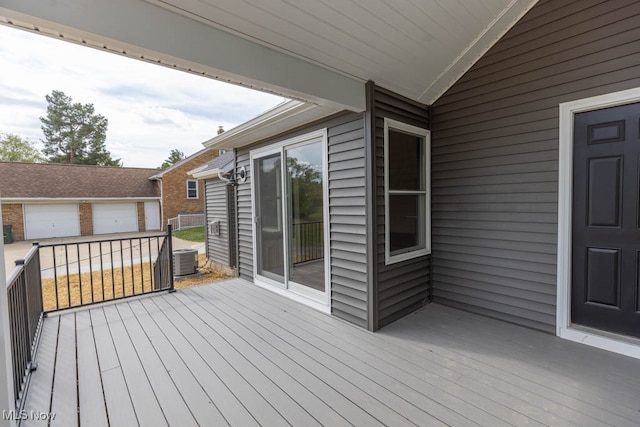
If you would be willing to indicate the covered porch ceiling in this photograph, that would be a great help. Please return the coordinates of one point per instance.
(315, 51)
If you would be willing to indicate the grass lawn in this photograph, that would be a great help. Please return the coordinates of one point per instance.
(195, 234)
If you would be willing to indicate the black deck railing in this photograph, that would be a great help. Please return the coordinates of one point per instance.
(25, 317)
(89, 272)
(308, 241)
(66, 275)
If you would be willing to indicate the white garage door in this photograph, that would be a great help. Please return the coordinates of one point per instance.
(114, 218)
(44, 221)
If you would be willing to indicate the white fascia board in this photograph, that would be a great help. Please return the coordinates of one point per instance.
(282, 118)
(510, 15)
(144, 30)
(50, 200)
(208, 174)
(282, 110)
(196, 170)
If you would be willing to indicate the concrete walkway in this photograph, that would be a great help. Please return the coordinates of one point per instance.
(18, 250)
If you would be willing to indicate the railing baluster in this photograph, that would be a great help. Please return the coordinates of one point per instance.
(55, 277)
(150, 264)
(101, 270)
(66, 259)
(79, 272)
(124, 292)
(113, 277)
(91, 272)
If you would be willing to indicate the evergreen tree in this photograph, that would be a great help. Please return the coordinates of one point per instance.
(174, 157)
(74, 133)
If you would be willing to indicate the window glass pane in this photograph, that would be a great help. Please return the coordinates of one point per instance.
(406, 222)
(306, 215)
(405, 161)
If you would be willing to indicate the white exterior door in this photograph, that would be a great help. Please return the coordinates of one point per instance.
(152, 216)
(115, 218)
(46, 221)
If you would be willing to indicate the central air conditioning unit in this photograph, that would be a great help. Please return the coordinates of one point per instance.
(185, 262)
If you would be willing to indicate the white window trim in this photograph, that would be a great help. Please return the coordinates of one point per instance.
(426, 134)
(197, 189)
(564, 329)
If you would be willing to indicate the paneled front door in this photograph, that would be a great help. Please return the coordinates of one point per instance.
(606, 220)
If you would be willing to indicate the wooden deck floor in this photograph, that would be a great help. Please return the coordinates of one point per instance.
(232, 353)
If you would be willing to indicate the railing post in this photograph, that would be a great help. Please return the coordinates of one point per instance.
(170, 247)
(7, 398)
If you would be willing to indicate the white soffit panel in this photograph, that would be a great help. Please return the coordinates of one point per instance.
(415, 48)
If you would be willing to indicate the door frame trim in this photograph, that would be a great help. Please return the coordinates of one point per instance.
(320, 135)
(564, 328)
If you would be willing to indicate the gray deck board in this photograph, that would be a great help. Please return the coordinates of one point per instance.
(439, 390)
(39, 393)
(232, 353)
(142, 395)
(394, 395)
(200, 403)
(266, 410)
(324, 412)
(436, 366)
(118, 401)
(171, 401)
(64, 402)
(93, 411)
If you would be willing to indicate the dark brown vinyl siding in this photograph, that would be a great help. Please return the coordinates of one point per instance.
(495, 154)
(347, 194)
(401, 287)
(216, 209)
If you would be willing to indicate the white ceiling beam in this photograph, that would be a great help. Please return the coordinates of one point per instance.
(141, 29)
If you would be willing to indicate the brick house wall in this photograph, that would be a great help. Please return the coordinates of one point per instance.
(86, 219)
(12, 214)
(174, 188)
(141, 220)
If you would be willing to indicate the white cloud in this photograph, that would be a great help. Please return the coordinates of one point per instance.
(151, 109)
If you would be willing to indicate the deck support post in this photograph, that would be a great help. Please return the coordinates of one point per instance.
(7, 399)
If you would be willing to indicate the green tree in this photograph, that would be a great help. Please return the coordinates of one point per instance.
(14, 148)
(174, 157)
(306, 189)
(74, 133)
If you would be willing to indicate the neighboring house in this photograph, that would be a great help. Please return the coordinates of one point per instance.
(56, 200)
(180, 192)
(514, 195)
(219, 199)
(492, 166)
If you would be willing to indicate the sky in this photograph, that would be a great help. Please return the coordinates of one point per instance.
(151, 109)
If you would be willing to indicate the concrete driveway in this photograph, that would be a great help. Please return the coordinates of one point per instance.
(18, 250)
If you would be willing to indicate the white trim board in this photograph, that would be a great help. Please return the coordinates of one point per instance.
(564, 328)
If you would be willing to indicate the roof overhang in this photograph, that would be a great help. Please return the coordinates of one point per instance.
(146, 31)
(317, 52)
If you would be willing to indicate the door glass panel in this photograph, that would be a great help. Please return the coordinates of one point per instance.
(269, 234)
(306, 215)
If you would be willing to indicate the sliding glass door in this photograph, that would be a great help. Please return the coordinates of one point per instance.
(289, 206)
(268, 207)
